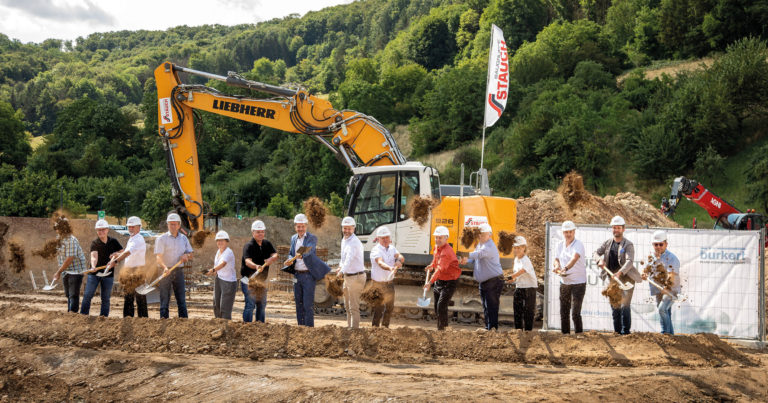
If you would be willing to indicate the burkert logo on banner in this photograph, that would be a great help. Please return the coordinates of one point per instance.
(723, 255)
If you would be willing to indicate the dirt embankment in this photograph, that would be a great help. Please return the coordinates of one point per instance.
(573, 202)
(404, 345)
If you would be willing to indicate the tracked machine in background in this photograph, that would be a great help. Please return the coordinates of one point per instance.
(380, 192)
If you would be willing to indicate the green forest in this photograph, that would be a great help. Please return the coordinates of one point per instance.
(78, 119)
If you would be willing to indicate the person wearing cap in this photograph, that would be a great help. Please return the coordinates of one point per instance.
(308, 270)
(71, 260)
(385, 261)
(671, 264)
(134, 255)
(225, 283)
(617, 254)
(257, 254)
(352, 267)
(571, 266)
(104, 250)
(488, 273)
(170, 248)
(445, 277)
(526, 284)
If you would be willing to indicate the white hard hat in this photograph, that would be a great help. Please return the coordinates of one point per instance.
(383, 231)
(258, 225)
(173, 217)
(520, 241)
(618, 220)
(300, 219)
(222, 235)
(659, 236)
(441, 231)
(133, 221)
(568, 226)
(101, 224)
(348, 221)
(485, 228)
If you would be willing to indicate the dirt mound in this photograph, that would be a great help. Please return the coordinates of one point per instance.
(17, 257)
(420, 208)
(315, 210)
(572, 202)
(409, 345)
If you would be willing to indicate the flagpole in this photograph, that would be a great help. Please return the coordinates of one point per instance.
(485, 98)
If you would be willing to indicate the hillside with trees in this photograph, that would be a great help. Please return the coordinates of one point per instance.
(419, 64)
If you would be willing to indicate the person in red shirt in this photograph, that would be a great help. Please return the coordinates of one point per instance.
(446, 275)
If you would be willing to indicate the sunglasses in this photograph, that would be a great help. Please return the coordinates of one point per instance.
(658, 244)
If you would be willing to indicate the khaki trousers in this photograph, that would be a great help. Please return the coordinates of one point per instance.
(353, 287)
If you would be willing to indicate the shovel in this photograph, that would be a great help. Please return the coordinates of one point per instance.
(662, 289)
(145, 289)
(287, 268)
(49, 287)
(424, 302)
(623, 286)
(106, 273)
(94, 270)
(246, 280)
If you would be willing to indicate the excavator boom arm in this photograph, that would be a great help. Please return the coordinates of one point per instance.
(358, 139)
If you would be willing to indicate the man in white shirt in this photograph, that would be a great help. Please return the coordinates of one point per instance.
(571, 266)
(134, 256)
(353, 270)
(385, 260)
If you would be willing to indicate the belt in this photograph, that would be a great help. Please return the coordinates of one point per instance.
(354, 274)
(494, 278)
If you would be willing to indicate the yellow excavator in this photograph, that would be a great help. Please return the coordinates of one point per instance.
(380, 191)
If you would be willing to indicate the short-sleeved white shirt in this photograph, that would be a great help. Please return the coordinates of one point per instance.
(388, 256)
(138, 249)
(578, 273)
(228, 272)
(527, 279)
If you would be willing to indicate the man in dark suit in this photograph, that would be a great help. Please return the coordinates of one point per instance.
(308, 270)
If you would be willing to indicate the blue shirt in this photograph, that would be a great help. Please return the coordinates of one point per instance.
(172, 248)
(486, 261)
(672, 264)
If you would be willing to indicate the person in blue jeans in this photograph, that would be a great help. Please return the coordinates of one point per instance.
(258, 253)
(308, 269)
(487, 272)
(104, 250)
(170, 248)
(671, 264)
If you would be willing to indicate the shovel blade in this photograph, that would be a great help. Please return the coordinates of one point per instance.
(627, 286)
(424, 302)
(49, 287)
(245, 280)
(144, 289)
(104, 273)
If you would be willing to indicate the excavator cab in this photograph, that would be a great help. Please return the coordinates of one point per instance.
(743, 221)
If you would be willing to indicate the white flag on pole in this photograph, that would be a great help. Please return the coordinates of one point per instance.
(498, 78)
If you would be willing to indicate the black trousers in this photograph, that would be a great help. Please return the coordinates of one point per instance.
(443, 292)
(141, 304)
(72, 284)
(490, 294)
(383, 311)
(524, 304)
(568, 293)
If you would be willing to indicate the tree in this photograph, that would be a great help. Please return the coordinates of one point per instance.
(432, 44)
(156, 205)
(14, 147)
(280, 206)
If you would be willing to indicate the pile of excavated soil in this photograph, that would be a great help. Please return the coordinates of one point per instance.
(260, 341)
(572, 202)
(315, 210)
(3, 276)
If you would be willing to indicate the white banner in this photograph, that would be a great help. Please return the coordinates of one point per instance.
(497, 91)
(720, 276)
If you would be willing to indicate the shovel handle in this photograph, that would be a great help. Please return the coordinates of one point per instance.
(662, 289)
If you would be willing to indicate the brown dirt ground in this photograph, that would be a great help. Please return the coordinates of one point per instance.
(46, 355)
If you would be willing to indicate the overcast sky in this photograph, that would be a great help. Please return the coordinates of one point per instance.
(38, 20)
